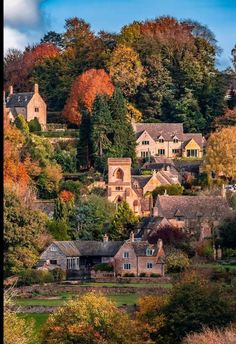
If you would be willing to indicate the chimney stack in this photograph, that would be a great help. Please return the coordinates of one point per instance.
(159, 244)
(223, 191)
(132, 236)
(36, 88)
(154, 211)
(11, 90)
(105, 238)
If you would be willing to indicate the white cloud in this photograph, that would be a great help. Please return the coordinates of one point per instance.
(14, 39)
(24, 23)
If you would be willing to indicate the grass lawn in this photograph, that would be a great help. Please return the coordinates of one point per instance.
(39, 302)
(121, 299)
(216, 266)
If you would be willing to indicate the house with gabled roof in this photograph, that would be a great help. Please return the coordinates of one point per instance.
(29, 104)
(167, 140)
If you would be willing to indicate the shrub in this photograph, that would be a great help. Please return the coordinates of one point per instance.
(209, 336)
(32, 276)
(103, 267)
(177, 261)
(229, 252)
(58, 274)
(155, 275)
(129, 274)
(34, 125)
(205, 249)
(142, 274)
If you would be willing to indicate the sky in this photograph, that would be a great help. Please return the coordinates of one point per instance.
(26, 21)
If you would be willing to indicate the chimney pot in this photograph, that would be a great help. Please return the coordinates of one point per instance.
(154, 211)
(11, 89)
(132, 236)
(105, 238)
(36, 88)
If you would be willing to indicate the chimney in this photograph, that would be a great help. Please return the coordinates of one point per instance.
(11, 90)
(165, 193)
(131, 236)
(159, 244)
(223, 191)
(154, 211)
(105, 238)
(36, 88)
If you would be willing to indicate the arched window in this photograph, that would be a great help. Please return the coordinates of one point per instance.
(119, 199)
(119, 174)
(135, 203)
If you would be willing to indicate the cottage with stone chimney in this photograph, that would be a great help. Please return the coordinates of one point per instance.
(29, 104)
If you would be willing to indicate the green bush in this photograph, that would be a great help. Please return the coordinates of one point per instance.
(34, 125)
(58, 274)
(229, 252)
(177, 261)
(155, 275)
(142, 274)
(129, 274)
(33, 276)
(103, 267)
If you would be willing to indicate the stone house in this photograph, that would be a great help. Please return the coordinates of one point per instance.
(198, 215)
(138, 257)
(122, 186)
(167, 140)
(28, 104)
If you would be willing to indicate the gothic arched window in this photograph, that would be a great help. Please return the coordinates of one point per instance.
(119, 174)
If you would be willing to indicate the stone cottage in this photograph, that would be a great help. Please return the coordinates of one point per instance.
(28, 104)
(136, 257)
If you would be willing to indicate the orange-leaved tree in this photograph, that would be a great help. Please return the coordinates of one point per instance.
(83, 92)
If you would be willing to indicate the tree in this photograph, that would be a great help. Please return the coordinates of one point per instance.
(123, 222)
(83, 92)
(91, 319)
(126, 69)
(53, 38)
(184, 311)
(34, 125)
(227, 231)
(64, 205)
(24, 234)
(59, 229)
(177, 261)
(22, 124)
(133, 113)
(84, 148)
(48, 181)
(227, 120)
(208, 336)
(220, 153)
(233, 53)
(92, 218)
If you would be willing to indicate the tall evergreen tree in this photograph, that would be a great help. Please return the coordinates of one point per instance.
(123, 136)
(84, 149)
(101, 131)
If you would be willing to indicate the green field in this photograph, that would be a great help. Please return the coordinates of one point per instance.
(39, 320)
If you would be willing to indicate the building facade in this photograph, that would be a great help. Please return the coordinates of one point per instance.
(167, 140)
(29, 104)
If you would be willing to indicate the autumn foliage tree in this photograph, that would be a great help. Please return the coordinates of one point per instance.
(83, 92)
(221, 153)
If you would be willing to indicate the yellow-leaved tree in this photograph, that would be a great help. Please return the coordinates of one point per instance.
(221, 153)
(90, 319)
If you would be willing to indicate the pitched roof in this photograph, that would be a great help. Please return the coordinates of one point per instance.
(140, 248)
(19, 99)
(188, 165)
(192, 206)
(140, 180)
(88, 248)
(155, 130)
(198, 138)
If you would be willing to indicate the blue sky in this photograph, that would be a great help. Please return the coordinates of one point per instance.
(111, 15)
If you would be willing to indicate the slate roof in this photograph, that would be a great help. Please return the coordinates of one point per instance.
(140, 180)
(88, 248)
(140, 248)
(166, 130)
(188, 165)
(192, 206)
(19, 99)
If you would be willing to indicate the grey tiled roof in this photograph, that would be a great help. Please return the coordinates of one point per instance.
(141, 180)
(88, 248)
(19, 99)
(197, 138)
(192, 206)
(140, 248)
(166, 130)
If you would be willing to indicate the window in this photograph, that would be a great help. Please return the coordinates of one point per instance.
(149, 252)
(119, 188)
(145, 142)
(175, 151)
(161, 140)
(119, 174)
(53, 262)
(144, 154)
(127, 266)
(161, 151)
(192, 153)
(71, 263)
(175, 140)
(53, 248)
(149, 265)
(126, 254)
(36, 109)
(179, 218)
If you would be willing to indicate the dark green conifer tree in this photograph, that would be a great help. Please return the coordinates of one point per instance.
(84, 149)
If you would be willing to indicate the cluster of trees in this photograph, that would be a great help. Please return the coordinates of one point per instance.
(165, 68)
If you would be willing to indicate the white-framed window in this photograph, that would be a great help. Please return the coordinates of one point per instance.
(144, 154)
(126, 266)
(161, 140)
(126, 254)
(149, 252)
(149, 265)
(175, 140)
(161, 151)
(119, 188)
(175, 151)
(145, 142)
(72, 263)
(53, 248)
(192, 153)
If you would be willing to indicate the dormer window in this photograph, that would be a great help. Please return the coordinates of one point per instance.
(175, 140)
(149, 252)
(53, 249)
(161, 140)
